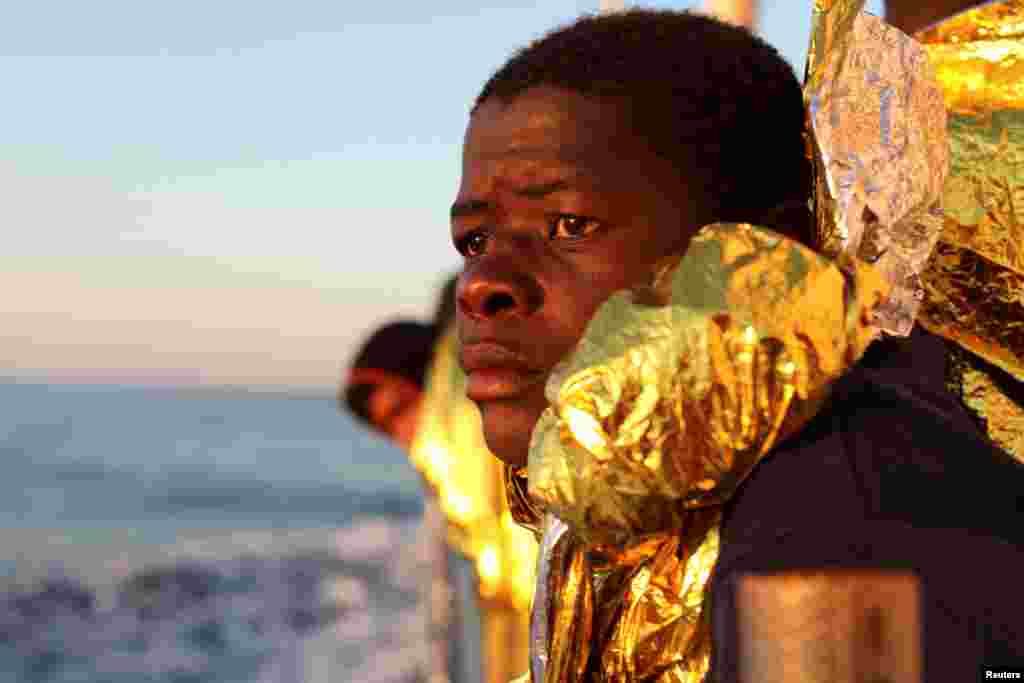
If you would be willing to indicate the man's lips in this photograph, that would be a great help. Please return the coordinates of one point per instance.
(495, 371)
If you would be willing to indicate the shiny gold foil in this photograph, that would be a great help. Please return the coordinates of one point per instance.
(1003, 417)
(651, 621)
(665, 408)
(877, 123)
(659, 629)
(988, 394)
(524, 512)
(976, 282)
(977, 303)
(562, 627)
(449, 451)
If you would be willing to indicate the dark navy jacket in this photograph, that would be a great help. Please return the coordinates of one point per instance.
(892, 474)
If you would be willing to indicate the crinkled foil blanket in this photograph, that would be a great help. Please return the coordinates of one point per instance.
(675, 392)
(975, 281)
(877, 128)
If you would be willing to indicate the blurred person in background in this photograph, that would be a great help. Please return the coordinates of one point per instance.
(385, 383)
(476, 597)
(384, 388)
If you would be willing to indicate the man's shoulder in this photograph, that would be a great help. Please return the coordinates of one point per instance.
(892, 475)
(918, 458)
(892, 446)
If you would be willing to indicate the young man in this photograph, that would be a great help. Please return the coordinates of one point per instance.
(589, 157)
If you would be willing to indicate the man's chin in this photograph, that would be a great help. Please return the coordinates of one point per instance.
(507, 431)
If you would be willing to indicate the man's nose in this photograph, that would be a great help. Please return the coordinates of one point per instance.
(495, 290)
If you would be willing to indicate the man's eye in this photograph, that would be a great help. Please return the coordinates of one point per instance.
(569, 226)
(472, 244)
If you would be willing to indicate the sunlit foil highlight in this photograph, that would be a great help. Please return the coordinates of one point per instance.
(975, 281)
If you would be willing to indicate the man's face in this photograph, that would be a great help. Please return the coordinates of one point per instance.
(560, 205)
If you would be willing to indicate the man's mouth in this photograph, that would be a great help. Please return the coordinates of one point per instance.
(496, 372)
(494, 384)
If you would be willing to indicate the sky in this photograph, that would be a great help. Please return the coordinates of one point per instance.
(237, 192)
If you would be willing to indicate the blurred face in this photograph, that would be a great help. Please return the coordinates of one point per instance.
(394, 408)
(560, 205)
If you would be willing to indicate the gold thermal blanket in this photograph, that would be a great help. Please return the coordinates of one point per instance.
(975, 282)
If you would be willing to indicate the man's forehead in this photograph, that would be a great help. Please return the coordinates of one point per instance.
(544, 123)
(528, 171)
(549, 134)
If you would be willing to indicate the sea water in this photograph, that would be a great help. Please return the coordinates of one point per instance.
(202, 535)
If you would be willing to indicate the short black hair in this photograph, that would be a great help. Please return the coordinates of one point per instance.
(717, 101)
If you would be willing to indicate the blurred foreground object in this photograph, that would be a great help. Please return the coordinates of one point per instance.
(975, 281)
(839, 627)
(739, 12)
(450, 452)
